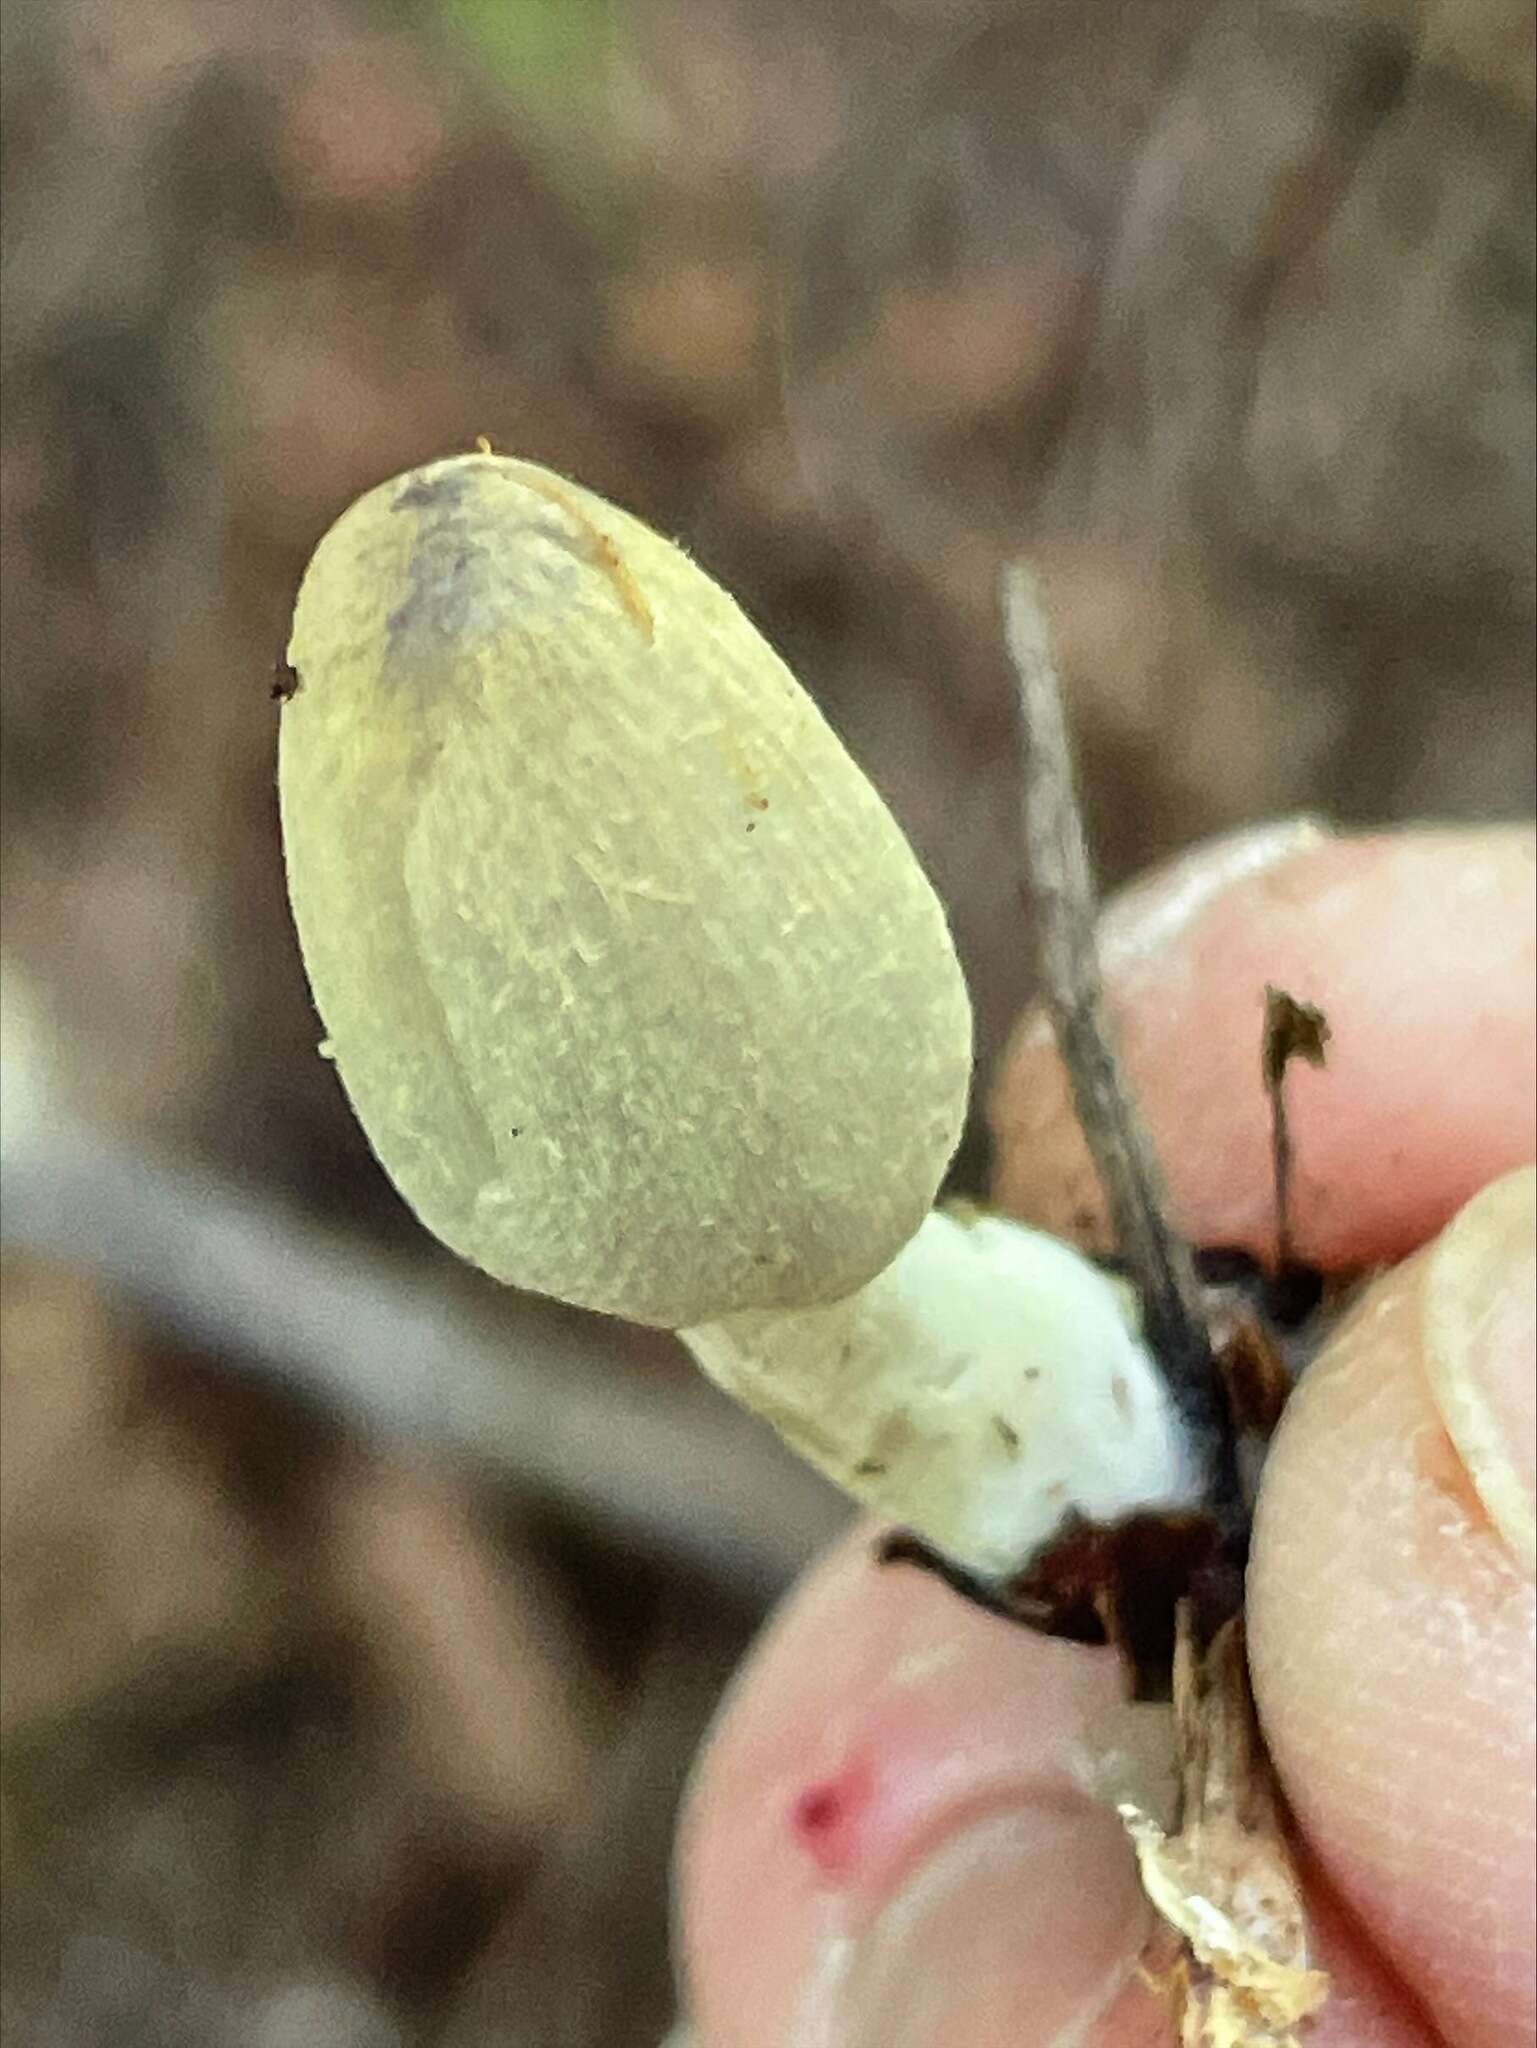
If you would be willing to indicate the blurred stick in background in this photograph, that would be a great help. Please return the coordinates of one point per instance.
(254, 1287)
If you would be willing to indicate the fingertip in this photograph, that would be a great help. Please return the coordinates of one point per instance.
(1391, 1629)
(898, 1806)
(1419, 948)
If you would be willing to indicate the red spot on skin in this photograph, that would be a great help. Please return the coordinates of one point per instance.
(827, 1820)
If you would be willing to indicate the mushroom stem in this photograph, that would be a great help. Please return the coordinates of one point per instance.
(985, 1388)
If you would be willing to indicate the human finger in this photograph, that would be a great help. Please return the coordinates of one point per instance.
(1417, 945)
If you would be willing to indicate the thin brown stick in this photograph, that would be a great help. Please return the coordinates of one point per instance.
(1060, 891)
(1293, 1030)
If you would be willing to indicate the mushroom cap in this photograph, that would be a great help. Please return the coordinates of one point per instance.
(633, 982)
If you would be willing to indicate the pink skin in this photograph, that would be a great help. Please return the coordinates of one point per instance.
(881, 1718)
(1418, 947)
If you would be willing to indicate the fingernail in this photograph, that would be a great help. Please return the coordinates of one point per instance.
(1140, 921)
(1020, 1928)
(1481, 1351)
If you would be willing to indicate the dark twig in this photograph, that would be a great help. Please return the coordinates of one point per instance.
(1293, 1031)
(1060, 892)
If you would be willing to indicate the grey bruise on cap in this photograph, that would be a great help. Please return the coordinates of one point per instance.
(456, 579)
(428, 488)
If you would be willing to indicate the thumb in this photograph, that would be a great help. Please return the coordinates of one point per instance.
(1391, 1616)
(894, 1837)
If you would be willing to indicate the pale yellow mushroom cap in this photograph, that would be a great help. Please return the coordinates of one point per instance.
(634, 983)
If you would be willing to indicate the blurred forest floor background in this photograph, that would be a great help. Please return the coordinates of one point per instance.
(359, 1619)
